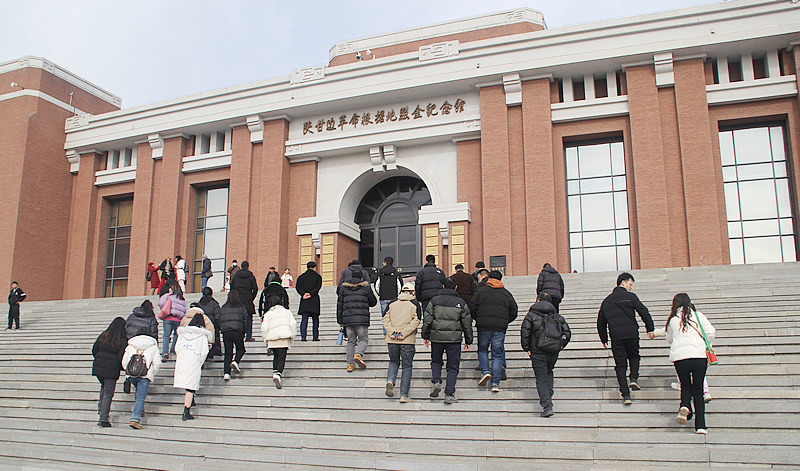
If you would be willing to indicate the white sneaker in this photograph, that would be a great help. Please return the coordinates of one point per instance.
(675, 386)
(707, 397)
(405, 399)
(683, 415)
(227, 377)
(276, 377)
(702, 431)
(235, 367)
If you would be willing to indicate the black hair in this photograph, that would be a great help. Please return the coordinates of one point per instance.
(482, 271)
(682, 302)
(430, 258)
(623, 277)
(459, 267)
(176, 289)
(449, 283)
(354, 262)
(14, 283)
(234, 261)
(544, 297)
(198, 321)
(245, 265)
(388, 260)
(273, 300)
(114, 338)
(147, 306)
(546, 265)
(311, 264)
(233, 298)
(178, 258)
(496, 274)
(480, 265)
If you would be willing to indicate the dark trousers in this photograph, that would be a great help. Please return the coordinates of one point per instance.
(13, 315)
(304, 325)
(692, 372)
(249, 323)
(543, 364)
(625, 351)
(555, 302)
(453, 352)
(279, 359)
(231, 339)
(107, 386)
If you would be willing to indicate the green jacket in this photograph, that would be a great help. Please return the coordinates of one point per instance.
(447, 318)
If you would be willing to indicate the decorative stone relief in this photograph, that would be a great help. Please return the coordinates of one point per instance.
(79, 121)
(383, 158)
(513, 88)
(438, 50)
(74, 160)
(157, 145)
(474, 124)
(663, 66)
(307, 74)
(513, 16)
(375, 159)
(343, 48)
(256, 127)
(389, 157)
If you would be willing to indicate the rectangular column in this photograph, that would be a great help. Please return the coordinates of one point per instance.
(273, 212)
(652, 211)
(141, 222)
(470, 191)
(517, 186)
(240, 198)
(169, 178)
(495, 171)
(705, 212)
(83, 224)
(303, 191)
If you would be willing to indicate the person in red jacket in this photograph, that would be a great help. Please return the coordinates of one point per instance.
(155, 281)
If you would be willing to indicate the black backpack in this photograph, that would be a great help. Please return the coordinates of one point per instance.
(148, 276)
(552, 338)
(137, 365)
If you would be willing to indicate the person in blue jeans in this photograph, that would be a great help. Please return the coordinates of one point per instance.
(146, 345)
(400, 323)
(493, 308)
(173, 320)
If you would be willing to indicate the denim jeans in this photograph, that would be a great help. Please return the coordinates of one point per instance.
(304, 325)
(384, 305)
(141, 385)
(356, 334)
(170, 328)
(453, 352)
(401, 353)
(543, 364)
(497, 342)
(203, 281)
(107, 386)
(249, 322)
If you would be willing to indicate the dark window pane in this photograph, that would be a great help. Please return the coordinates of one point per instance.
(398, 212)
(122, 252)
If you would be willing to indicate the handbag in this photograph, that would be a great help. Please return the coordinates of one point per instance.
(208, 274)
(712, 357)
(166, 309)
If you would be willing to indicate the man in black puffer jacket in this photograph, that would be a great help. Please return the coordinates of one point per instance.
(430, 280)
(616, 316)
(246, 285)
(550, 282)
(352, 313)
(142, 317)
(446, 320)
(493, 309)
(544, 351)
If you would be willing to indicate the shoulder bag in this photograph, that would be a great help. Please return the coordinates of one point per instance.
(712, 357)
(166, 309)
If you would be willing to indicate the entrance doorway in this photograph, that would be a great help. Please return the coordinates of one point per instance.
(388, 216)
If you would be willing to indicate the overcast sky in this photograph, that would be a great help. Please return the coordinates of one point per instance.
(151, 50)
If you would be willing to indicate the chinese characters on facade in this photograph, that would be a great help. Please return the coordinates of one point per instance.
(383, 116)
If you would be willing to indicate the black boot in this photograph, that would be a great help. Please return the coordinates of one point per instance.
(187, 414)
(193, 403)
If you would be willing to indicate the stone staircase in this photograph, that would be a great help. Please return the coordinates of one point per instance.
(326, 417)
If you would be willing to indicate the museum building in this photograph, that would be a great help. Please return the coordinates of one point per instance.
(661, 140)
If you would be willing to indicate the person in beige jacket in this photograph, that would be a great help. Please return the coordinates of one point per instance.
(401, 322)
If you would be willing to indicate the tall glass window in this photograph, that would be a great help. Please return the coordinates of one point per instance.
(757, 195)
(118, 248)
(597, 203)
(211, 236)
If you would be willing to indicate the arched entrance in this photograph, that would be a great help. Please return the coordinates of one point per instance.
(388, 217)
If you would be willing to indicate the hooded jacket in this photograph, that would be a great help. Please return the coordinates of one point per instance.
(149, 347)
(141, 319)
(402, 316)
(388, 284)
(550, 282)
(233, 319)
(196, 311)
(347, 274)
(355, 299)
(309, 282)
(430, 280)
(154, 278)
(617, 317)
(493, 307)
(447, 318)
(191, 350)
(245, 284)
(273, 289)
(533, 324)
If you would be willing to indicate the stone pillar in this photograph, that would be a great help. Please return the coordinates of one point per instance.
(652, 211)
(542, 230)
(307, 253)
(240, 198)
(169, 202)
(495, 175)
(705, 213)
(303, 191)
(432, 244)
(470, 191)
(83, 225)
(517, 186)
(273, 212)
(142, 223)
(459, 247)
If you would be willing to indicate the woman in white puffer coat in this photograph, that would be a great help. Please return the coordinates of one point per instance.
(148, 346)
(687, 351)
(278, 328)
(191, 350)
